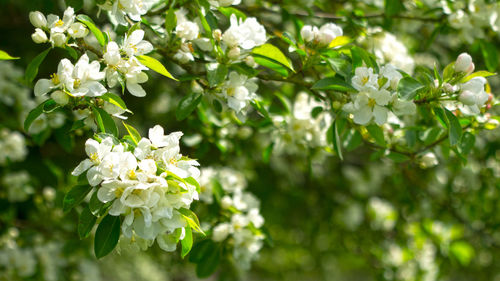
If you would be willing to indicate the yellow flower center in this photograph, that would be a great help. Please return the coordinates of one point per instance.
(118, 192)
(230, 92)
(371, 102)
(94, 158)
(132, 175)
(59, 23)
(365, 80)
(55, 79)
(77, 83)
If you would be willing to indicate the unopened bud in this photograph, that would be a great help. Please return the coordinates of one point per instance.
(217, 34)
(60, 97)
(37, 19)
(250, 61)
(464, 63)
(234, 53)
(58, 39)
(307, 33)
(428, 160)
(39, 36)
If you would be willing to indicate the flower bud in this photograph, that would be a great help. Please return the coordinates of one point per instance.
(60, 97)
(49, 193)
(428, 160)
(58, 39)
(217, 34)
(39, 36)
(250, 61)
(226, 202)
(464, 63)
(37, 19)
(234, 53)
(467, 98)
(307, 33)
(449, 88)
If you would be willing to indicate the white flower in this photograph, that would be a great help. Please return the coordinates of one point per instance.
(473, 94)
(77, 30)
(308, 32)
(364, 79)
(96, 152)
(368, 105)
(246, 34)
(57, 25)
(223, 3)
(393, 76)
(13, 146)
(403, 107)
(221, 231)
(464, 63)
(187, 30)
(327, 33)
(239, 91)
(58, 39)
(79, 80)
(428, 160)
(134, 9)
(37, 19)
(133, 45)
(39, 36)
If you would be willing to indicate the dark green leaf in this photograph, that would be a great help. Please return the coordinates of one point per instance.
(75, 196)
(271, 64)
(114, 99)
(333, 83)
(34, 113)
(187, 105)
(86, 222)
(93, 28)
(216, 73)
(393, 7)
(490, 55)
(455, 130)
(170, 20)
(32, 68)
(408, 87)
(377, 133)
(466, 143)
(107, 235)
(105, 121)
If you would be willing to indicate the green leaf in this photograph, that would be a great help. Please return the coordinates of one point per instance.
(466, 143)
(216, 73)
(86, 222)
(333, 83)
(337, 145)
(75, 4)
(34, 113)
(377, 133)
(5, 56)
(187, 105)
(455, 130)
(408, 87)
(340, 66)
(75, 196)
(228, 11)
(32, 68)
(170, 20)
(155, 65)
(260, 108)
(352, 140)
(339, 41)
(206, 255)
(266, 154)
(271, 64)
(95, 204)
(93, 28)
(187, 242)
(114, 99)
(393, 7)
(481, 73)
(194, 182)
(104, 121)
(398, 157)
(191, 219)
(359, 55)
(490, 55)
(271, 52)
(448, 72)
(441, 116)
(136, 137)
(463, 251)
(107, 235)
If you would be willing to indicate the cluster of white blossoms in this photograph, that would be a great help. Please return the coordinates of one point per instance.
(223, 3)
(301, 129)
(382, 213)
(243, 34)
(81, 79)
(15, 263)
(148, 184)
(471, 94)
(187, 31)
(323, 35)
(58, 29)
(122, 64)
(239, 90)
(118, 10)
(389, 50)
(13, 146)
(242, 228)
(377, 96)
(17, 185)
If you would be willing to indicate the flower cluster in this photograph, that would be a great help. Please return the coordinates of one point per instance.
(58, 29)
(323, 35)
(245, 34)
(13, 146)
(241, 229)
(122, 64)
(149, 184)
(377, 96)
(238, 90)
(133, 9)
